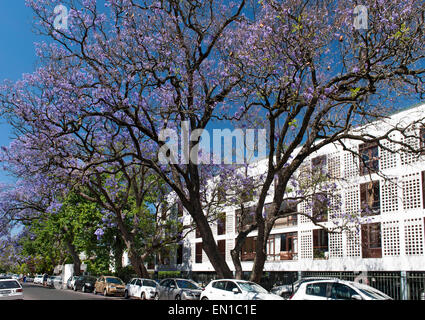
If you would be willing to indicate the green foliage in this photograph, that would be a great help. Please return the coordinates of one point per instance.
(126, 273)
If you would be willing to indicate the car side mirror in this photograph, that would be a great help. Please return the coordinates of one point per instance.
(236, 290)
(356, 297)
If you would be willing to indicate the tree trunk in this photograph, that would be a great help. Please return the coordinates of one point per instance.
(135, 259)
(138, 265)
(236, 251)
(118, 253)
(75, 257)
(210, 246)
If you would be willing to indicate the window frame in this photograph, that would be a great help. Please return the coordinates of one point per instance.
(368, 241)
(366, 150)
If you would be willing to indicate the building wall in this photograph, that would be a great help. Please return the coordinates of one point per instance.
(401, 218)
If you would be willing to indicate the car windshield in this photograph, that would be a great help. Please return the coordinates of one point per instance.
(370, 291)
(114, 280)
(184, 284)
(149, 283)
(12, 284)
(373, 294)
(251, 287)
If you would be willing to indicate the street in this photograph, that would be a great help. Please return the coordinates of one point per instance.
(37, 292)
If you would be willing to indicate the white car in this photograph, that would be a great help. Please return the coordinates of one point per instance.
(337, 290)
(230, 289)
(38, 279)
(71, 282)
(54, 281)
(144, 289)
(11, 289)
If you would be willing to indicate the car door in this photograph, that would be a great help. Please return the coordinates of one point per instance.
(163, 289)
(137, 288)
(218, 291)
(130, 287)
(171, 290)
(99, 287)
(230, 294)
(317, 291)
(341, 291)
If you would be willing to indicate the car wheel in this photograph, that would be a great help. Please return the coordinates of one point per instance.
(105, 293)
(126, 294)
(143, 296)
(178, 297)
(204, 298)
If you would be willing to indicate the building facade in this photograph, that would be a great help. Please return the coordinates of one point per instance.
(394, 190)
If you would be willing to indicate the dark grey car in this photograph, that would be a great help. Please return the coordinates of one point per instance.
(178, 289)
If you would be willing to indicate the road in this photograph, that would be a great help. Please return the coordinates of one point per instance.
(37, 292)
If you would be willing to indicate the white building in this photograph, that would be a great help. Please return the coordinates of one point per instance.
(394, 239)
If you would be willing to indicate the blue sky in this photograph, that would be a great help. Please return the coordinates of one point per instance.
(17, 54)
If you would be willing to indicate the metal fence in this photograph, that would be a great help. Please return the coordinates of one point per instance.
(416, 285)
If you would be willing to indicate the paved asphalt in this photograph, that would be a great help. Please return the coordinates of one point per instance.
(38, 292)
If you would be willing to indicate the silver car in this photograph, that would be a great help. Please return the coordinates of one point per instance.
(11, 289)
(178, 289)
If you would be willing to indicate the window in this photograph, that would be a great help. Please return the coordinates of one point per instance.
(179, 254)
(318, 165)
(271, 247)
(221, 195)
(342, 292)
(320, 244)
(165, 283)
(320, 207)
(317, 289)
(370, 198)
(138, 282)
(221, 224)
(369, 158)
(198, 253)
(248, 249)
(288, 221)
(244, 218)
(288, 246)
(219, 285)
(222, 248)
(149, 283)
(231, 285)
(179, 209)
(371, 240)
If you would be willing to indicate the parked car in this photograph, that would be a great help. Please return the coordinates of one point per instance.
(38, 279)
(29, 279)
(49, 281)
(287, 290)
(71, 281)
(109, 286)
(229, 289)
(57, 281)
(84, 283)
(337, 290)
(11, 289)
(178, 289)
(141, 288)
